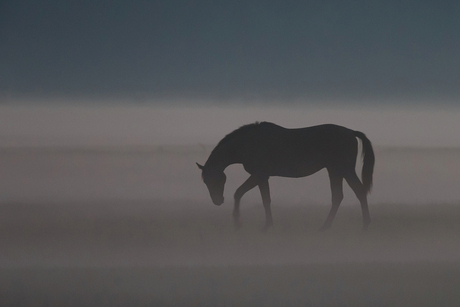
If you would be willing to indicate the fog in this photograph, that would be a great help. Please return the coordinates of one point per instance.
(112, 194)
(87, 153)
(106, 106)
(73, 123)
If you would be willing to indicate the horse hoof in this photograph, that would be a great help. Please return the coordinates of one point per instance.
(266, 228)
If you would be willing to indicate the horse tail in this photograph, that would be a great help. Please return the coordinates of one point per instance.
(368, 161)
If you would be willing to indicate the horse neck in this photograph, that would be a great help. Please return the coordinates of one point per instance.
(221, 157)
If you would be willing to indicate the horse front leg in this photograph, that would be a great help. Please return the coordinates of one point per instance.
(265, 193)
(250, 183)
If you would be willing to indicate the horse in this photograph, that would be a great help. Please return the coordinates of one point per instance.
(266, 149)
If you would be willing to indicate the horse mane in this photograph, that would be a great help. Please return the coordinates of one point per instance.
(236, 133)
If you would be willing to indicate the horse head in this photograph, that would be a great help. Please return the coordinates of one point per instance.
(215, 181)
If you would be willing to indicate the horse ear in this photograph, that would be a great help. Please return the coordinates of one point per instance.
(199, 166)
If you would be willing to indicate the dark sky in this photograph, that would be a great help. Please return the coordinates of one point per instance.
(231, 49)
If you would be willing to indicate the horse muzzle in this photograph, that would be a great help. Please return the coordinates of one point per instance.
(218, 201)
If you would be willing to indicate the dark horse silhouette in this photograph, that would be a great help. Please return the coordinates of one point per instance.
(266, 149)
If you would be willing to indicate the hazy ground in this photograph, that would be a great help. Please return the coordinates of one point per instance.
(134, 226)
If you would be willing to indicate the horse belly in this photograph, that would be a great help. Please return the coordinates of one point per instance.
(297, 170)
(285, 168)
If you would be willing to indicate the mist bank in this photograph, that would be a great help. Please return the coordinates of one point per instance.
(27, 125)
(366, 284)
(187, 233)
(149, 173)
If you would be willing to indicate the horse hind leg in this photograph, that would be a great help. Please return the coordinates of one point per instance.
(361, 194)
(337, 196)
(250, 183)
